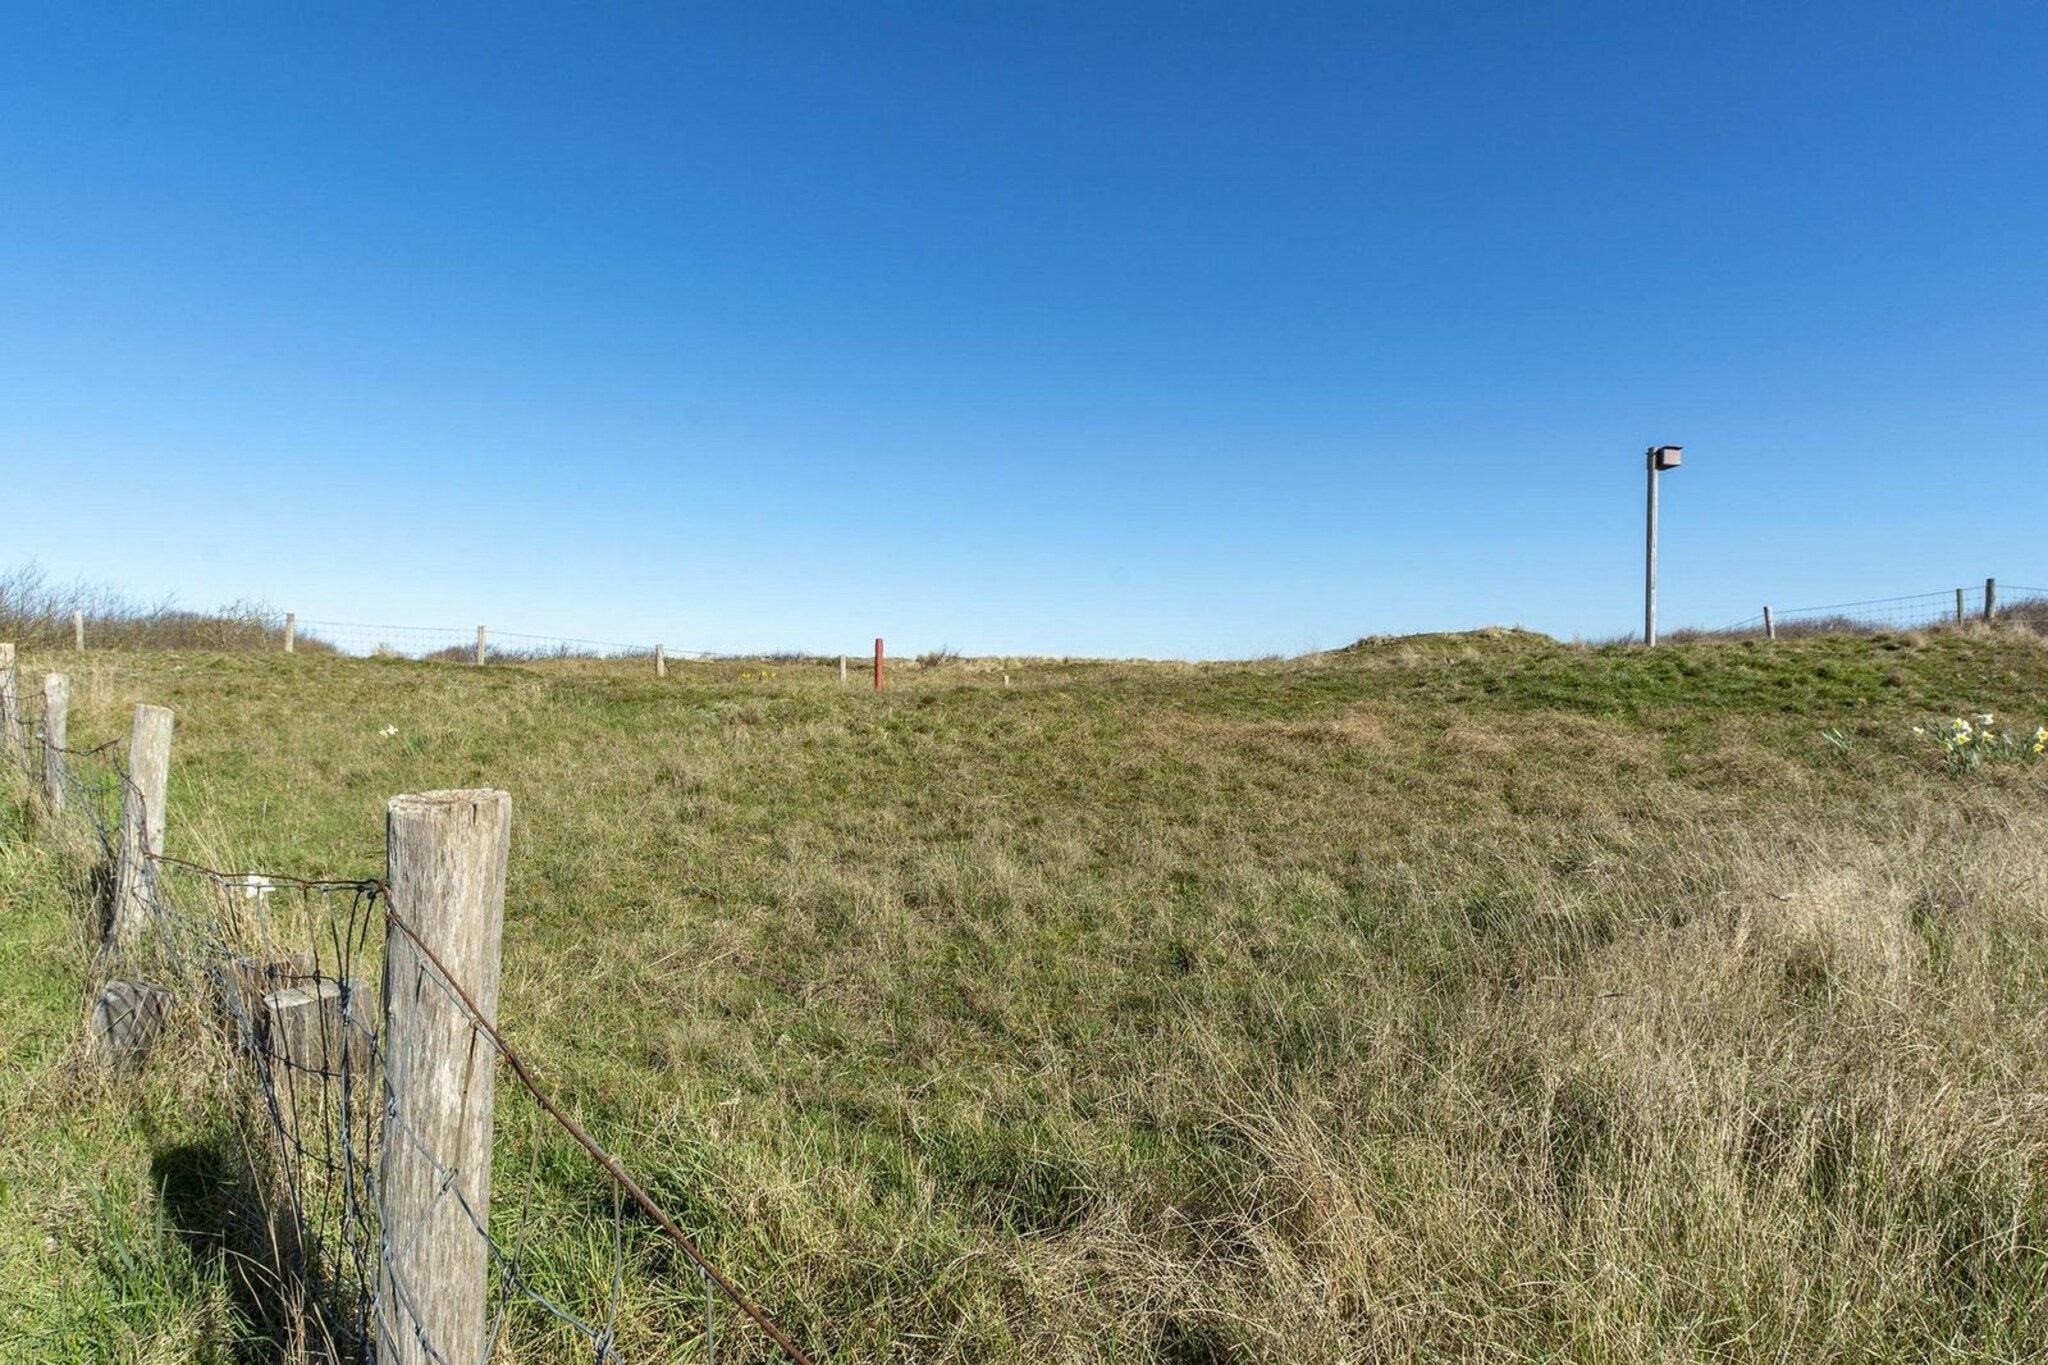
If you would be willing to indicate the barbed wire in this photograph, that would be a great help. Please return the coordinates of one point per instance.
(283, 965)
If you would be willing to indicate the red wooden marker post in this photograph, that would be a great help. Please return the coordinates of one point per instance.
(878, 663)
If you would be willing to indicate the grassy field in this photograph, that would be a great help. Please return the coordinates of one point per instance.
(1467, 997)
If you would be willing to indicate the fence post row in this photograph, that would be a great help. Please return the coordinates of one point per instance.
(56, 726)
(142, 822)
(445, 858)
(13, 734)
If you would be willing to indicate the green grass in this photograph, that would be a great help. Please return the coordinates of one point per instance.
(1461, 997)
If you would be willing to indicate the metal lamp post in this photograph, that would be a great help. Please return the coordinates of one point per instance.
(1658, 459)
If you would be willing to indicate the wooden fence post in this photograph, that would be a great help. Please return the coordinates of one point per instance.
(56, 724)
(1959, 606)
(445, 858)
(660, 662)
(78, 630)
(291, 630)
(126, 1021)
(13, 734)
(1990, 599)
(479, 646)
(142, 822)
(878, 663)
(842, 670)
(1770, 626)
(305, 1028)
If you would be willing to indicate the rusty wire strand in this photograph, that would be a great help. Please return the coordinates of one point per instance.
(590, 1145)
(328, 1175)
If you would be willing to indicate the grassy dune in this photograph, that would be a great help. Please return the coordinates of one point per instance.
(1447, 998)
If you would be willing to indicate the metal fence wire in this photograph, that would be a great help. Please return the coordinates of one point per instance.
(454, 644)
(286, 977)
(1917, 611)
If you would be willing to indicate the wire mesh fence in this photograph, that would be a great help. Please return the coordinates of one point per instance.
(2023, 606)
(476, 644)
(1912, 612)
(518, 646)
(1986, 603)
(387, 641)
(310, 996)
(37, 616)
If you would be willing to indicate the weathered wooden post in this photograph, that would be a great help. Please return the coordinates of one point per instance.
(13, 734)
(56, 725)
(660, 662)
(1990, 599)
(291, 630)
(445, 858)
(1959, 606)
(142, 822)
(77, 630)
(842, 670)
(878, 663)
(1770, 626)
(479, 646)
(307, 1029)
(126, 1021)
(304, 1026)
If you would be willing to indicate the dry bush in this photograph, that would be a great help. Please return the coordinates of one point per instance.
(39, 614)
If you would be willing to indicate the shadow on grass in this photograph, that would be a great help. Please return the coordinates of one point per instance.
(226, 1212)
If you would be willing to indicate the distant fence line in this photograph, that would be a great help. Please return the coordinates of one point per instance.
(453, 644)
(356, 1008)
(1989, 603)
(260, 630)
(251, 631)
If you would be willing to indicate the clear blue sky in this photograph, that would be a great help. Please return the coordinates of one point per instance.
(1169, 329)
